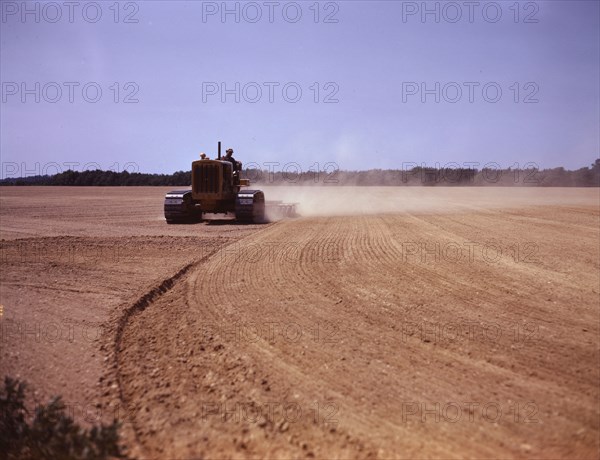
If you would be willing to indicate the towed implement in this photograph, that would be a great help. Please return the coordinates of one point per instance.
(218, 189)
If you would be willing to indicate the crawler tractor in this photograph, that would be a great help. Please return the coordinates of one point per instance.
(217, 189)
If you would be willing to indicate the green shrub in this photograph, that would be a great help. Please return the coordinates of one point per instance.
(51, 432)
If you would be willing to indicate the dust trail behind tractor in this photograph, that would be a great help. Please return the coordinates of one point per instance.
(277, 210)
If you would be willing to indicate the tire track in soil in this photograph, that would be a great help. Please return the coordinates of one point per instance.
(139, 306)
(113, 347)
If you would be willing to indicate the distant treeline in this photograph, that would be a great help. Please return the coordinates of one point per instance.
(103, 178)
(555, 177)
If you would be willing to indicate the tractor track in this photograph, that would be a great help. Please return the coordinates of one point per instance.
(140, 305)
(116, 328)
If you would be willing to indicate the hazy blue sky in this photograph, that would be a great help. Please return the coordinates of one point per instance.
(373, 58)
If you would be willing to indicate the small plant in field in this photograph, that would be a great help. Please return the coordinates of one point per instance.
(50, 433)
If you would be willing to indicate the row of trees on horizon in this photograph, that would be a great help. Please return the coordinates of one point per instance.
(554, 177)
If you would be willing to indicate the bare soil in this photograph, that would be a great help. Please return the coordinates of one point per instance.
(397, 323)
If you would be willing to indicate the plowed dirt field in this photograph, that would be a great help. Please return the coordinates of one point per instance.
(401, 323)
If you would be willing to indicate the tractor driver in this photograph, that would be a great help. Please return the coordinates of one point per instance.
(229, 157)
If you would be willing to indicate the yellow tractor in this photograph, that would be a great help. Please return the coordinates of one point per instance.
(217, 188)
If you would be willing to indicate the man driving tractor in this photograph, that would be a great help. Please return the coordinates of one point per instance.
(229, 157)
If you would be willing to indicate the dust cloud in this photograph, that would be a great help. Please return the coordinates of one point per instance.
(342, 200)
